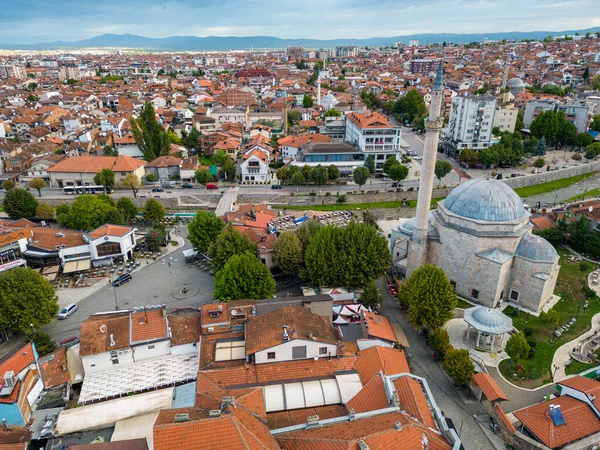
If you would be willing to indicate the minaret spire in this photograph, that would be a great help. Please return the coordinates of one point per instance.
(417, 250)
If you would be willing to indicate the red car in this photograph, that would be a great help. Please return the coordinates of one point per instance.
(212, 186)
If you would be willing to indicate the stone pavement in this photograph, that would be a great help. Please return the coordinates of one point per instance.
(457, 329)
(75, 295)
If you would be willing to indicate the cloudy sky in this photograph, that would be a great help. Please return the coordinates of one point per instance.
(33, 21)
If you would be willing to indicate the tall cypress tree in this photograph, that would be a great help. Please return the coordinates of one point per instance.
(149, 135)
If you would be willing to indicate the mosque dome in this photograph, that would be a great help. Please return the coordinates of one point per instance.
(488, 320)
(515, 83)
(487, 200)
(535, 248)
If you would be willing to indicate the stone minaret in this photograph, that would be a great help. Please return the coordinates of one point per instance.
(417, 251)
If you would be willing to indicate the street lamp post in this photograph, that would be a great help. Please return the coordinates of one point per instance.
(114, 288)
(555, 199)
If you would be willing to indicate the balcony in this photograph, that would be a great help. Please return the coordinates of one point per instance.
(381, 148)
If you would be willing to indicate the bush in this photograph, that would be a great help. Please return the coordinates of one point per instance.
(312, 194)
(531, 354)
(532, 342)
(515, 312)
(584, 266)
(589, 292)
(327, 194)
(576, 157)
(341, 199)
(150, 178)
(528, 332)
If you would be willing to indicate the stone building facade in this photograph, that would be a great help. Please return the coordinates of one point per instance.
(481, 237)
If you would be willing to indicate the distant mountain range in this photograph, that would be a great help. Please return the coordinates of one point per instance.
(224, 43)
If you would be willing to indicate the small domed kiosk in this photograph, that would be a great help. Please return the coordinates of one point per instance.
(491, 326)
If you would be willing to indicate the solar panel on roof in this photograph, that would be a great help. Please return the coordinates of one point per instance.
(557, 416)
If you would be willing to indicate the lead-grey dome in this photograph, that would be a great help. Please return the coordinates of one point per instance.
(489, 200)
(535, 248)
(488, 320)
(515, 83)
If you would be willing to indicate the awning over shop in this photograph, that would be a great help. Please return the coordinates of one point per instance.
(77, 266)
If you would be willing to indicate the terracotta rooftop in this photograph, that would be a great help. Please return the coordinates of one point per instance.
(148, 325)
(165, 161)
(413, 401)
(185, 326)
(369, 120)
(375, 359)
(94, 164)
(129, 444)
(49, 238)
(379, 327)
(371, 397)
(96, 332)
(490, 388)
(580, 420)
(282, 419)
(18, 361)
(53, 367)
(266, 331)
(110, 230)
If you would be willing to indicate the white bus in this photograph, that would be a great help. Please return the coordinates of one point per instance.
(78, 190)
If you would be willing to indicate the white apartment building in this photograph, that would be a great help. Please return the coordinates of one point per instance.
(10, 71)
(470, 125)
(373, 134)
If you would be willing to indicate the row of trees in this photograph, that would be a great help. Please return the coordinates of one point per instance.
(318, 175)
(577, 234)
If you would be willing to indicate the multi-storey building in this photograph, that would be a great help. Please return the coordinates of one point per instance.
(345, 51)
(373, 134)
(535, 107)
(470, 125)
(423, 65)
(579, 114)
(506, 118)
(11, 71)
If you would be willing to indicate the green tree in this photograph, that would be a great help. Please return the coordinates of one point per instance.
(219, 157)
(306, 233)
(369, 296)
(398, 172)
(517, 347)
(307, 101)
(228, 168)
(442, 168)
(411, 104)
(519, 125)
(592, 150)
(149, 135)
(44, 212)
(26, 299)
(133, 182)
(19, 203)
(38, 184)
(8, 185)
(319, 175)
(306, 172)
(114, 216)
(63, 208)
(566, 130)
(294, 117)
(439, 341)
(496, 131)
(333, 172)
(459, 366)
(173, 137)
(108, 150)
(429, 296)
(539, 163)
(582, 140)
(351, 256)
(595, 125)
(552, 317)
(370, 163)
(87, 213)
(361, 175)
(228, 243)
(33, 98)
(204, 230)
(153, 210)
(288, 253)
(298, 179)
(333, 113)
(540, 147)
(243, 276)
(545, 125)
(127, 208)
(106, 178)
(469, 156)
(191, 140)
(203, 176)
(389, 163)
(43, 342)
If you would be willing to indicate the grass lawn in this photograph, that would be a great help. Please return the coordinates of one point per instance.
(462, 304)
(205, 160)
(578, 367)
(551, 185)
(353, 206)
(592, 193)
(569, 287)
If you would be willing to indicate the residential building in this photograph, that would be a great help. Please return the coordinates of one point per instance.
(505, 118)
(164, 168)
(579, 113)
(334, 129)
(14, 236)
(470, 124)
(291, 145)
(535, 107)
(424, 66)
(343, 155)
(373, 134)
(81, 170)
(255, 167)
(126, 146)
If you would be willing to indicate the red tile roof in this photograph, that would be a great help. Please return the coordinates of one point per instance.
(18, 361)
(95, 333)
(371, 397)
(94, 164)
(369, 120)
(580, 420)
(148, 325)
(507, 423)
(54, 368)
(110, 230)
(185, 326)
(490, 388)
(379, 327)
(413, 401)
(374, 359)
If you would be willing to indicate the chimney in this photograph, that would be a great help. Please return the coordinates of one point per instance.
(5, 424)
(310, 335)
(112, 341)
(214, 413)
(286, 336)
(398, 426)
(253, 213)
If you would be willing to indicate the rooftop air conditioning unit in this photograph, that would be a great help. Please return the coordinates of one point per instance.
(211, 329)
(9, 378)
(214, 413)
(184, 417)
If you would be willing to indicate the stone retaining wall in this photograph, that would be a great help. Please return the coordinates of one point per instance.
(545, 177)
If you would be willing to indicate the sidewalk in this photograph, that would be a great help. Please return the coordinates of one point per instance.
(75, 295)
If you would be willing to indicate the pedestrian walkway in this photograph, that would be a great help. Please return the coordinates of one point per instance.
(226, 203)
(75, 295)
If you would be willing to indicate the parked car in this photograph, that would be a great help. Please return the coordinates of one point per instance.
(168, 184)
(418, 157)
(275, 186)
(157, 189)
(212, 186)
(387, 179)
(187, 186)
(411, 153)
(396, 184)
(126, 277)
(67, 311)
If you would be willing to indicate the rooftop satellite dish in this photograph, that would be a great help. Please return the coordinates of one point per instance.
(103, 328)
(591, 208)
